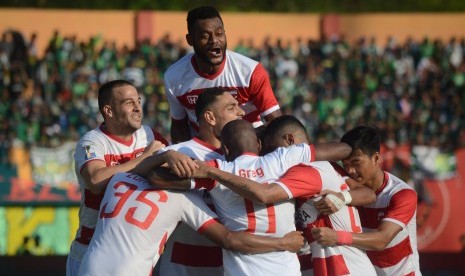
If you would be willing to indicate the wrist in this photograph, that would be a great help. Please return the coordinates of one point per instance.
(344, 238)
(347, 197)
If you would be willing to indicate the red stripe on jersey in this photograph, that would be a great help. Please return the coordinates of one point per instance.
(117, 159)
(252, 222)
(92, 201)
(402, 206)
(160, 138)
(206, 75)
(161, 246)
(252, 117)
(85, 235)
(196, 255)
(330, 266)
(205, 225)
(312, 151)
(260, 91)
(116, 138)
(392, 255)
(410, 274)
(271, 218)
(370, 217)
(306, 261)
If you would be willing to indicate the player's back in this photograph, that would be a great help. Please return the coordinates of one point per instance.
(135, 220)
(334, 260)
(237, 213)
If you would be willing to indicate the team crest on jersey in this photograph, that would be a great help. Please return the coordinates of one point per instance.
(192, 99)
(89, 154)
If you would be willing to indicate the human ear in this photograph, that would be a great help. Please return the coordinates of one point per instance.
(290, 140)
(209, 117)
(189, 39)
(107, 111)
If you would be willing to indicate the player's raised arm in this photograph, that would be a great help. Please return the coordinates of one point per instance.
(333, 151)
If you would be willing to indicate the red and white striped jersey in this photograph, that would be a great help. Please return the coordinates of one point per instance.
(396, 202)
(303, 182)
(246, 79)
(274, 220)
(134, 223)
(187, 252)
(101, 145)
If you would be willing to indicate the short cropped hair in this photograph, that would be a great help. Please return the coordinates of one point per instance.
(363, 138)
(206, 99)
(105, 92)
(281, 125)
(204, 12)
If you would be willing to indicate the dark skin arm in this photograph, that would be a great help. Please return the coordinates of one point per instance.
(245, 187)
(331, 151)
(180, 131)
(272, 115)
(163, 178)
(253, 244)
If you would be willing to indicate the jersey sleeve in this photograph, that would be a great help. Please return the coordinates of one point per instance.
(88, 149)
(205, 183)
(301, 181)
(177, 110)
(402, 207)
(261, 92)
(196, 213)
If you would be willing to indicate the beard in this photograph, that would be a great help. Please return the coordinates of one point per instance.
(203, 55)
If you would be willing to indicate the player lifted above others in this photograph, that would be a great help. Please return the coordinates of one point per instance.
(212, 65)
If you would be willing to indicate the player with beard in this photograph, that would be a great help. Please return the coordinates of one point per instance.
(211, 65)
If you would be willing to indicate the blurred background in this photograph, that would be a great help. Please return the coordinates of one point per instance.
(397, 65)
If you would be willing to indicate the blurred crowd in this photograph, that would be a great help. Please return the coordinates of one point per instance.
(413, 91)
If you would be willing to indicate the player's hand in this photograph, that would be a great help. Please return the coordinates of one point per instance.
(202, 169)
(326, 205)
(324, 236)
(153, 147)
(180, 164)
(294, 241)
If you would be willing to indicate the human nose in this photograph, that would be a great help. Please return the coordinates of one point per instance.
(240, 112)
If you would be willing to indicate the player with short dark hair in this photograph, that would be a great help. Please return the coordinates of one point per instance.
(212, 65)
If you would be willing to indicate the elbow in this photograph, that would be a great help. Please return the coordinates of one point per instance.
(379, 246)
(262, 198)
(95, 188)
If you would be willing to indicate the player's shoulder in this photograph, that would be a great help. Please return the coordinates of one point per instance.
(93, 135)
(395, 184)
(180, 65)
(236, 57)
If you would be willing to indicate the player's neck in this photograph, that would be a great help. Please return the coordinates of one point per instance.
(378, 180)
(209, 138)
(122, 134)
(206, 67)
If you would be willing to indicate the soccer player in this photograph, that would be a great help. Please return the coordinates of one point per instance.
(389, 224)
(211, 65)
(302, 182)
(135, 220)
(239, 214)
(118, 145)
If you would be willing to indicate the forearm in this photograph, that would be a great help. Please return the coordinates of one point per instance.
(245, 187)
(252, 244)
(162, 178)
(331, 151)
(362, 197)
(375, 241)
